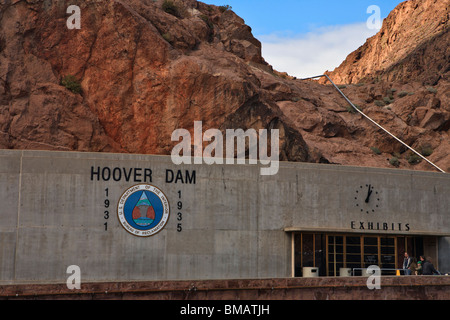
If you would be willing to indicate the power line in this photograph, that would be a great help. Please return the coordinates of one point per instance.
(379, 126)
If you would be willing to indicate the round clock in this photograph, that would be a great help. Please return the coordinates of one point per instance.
(367, 199)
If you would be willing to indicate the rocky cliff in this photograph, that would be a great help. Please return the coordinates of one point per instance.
(412, 45)
(143, 68)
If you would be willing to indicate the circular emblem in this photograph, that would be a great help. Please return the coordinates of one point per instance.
(143, 210)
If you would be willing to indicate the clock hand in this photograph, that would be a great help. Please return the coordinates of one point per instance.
(369, 192)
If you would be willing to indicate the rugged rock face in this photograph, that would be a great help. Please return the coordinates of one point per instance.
(411, 45)
(403, 71)
(145, 71)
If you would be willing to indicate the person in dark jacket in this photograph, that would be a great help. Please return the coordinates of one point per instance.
(428, 268)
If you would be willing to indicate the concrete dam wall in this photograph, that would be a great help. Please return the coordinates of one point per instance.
(122, 217)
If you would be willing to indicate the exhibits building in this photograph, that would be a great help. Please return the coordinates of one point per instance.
(122, 217)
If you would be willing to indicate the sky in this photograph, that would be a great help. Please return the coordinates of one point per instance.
(306, 38)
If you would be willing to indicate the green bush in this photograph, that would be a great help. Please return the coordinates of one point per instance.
(171, 8)
(402, 94)
(224, 8)
(380, 103)
(414, 159)
(426, 151)
(432, 90)
(206, 19)
(168, 37)
(394, 162)
(71, 83)
(375, 150)
(388, 100)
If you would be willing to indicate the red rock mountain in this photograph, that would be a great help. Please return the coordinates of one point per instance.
(146, 68)
(412, 45)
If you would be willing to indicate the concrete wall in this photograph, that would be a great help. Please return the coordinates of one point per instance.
(287, 289)
(235, 223)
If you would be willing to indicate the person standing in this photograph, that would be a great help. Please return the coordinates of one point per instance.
(406, 264)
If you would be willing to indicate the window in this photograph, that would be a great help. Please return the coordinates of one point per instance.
(370, 251)
(387, 254)
(353, 252)
(335, 252)
(330, 252)
(308, 251)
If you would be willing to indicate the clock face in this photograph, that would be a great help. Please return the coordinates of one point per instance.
(367, 199)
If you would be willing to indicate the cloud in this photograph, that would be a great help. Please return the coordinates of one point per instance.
(313, 53)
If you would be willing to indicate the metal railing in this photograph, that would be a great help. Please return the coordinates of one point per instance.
(379, 126)
(381, 269)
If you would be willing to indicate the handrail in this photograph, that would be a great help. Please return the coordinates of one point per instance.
(379, 126)
(381, 269)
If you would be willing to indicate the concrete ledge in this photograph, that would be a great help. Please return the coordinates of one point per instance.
(323, 288)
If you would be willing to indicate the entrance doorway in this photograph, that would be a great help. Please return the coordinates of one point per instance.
(330, 252)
